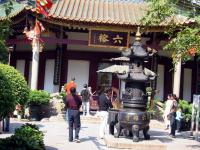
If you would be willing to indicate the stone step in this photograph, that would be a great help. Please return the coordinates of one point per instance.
(124, 143)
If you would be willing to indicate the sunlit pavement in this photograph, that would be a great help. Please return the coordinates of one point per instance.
(56, 137)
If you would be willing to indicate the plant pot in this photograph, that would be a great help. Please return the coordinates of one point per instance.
(35, 112)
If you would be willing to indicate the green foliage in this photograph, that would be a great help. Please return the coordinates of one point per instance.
(38, 97)
(186, 110)
(7, 99)
(5, 31)
(62, 94)
(13, 89)
(27, 137)
(158, 11)
(185, 39)
(182, 44)
(156, 112)
(19, 85)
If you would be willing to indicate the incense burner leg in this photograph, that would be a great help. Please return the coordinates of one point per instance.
(119, 128)
(111, 128)
(145, 132)
(135, 131)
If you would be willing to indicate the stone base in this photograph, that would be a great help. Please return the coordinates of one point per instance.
(124, 143)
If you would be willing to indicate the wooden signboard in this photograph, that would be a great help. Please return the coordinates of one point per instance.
(102, 38)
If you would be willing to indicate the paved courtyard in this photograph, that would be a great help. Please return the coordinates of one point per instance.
(56, 138)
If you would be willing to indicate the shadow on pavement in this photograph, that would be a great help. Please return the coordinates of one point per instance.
(156, 134)
(94, 140)
(50, 148)
(160, 135)
(194, 146)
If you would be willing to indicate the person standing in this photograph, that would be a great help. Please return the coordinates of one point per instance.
(67, 89)
(179, 118)
(85, 94)
(73, 104)
(104, 105)
(172, 116)
(70, 84)
(167, 111)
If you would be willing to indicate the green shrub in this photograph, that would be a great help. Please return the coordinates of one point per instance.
(27, 137)
(38, 97)
(7, 99)
(13, 89)
(186, 110)
(18, 83)
(157, 111)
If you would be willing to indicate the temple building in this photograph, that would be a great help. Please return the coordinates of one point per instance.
(81, 37)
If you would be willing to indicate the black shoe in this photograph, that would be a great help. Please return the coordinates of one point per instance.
(172, 136)
(70, 140)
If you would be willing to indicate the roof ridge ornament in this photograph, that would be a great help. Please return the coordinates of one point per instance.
(138, 35)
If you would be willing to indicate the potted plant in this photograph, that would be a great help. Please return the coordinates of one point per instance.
(37, 99)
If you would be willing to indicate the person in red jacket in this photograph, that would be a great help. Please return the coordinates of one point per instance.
(70, 84)
(73, 104)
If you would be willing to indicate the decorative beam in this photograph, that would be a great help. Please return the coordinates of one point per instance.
(49, 40)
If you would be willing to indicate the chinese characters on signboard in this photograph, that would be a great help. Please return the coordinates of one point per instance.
(108, 38)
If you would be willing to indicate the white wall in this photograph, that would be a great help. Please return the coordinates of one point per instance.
(49, 73)
(80, 70)
(187, 84)
(20, 66)
(160, 83)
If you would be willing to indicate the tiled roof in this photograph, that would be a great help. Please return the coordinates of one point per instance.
(120, 12)
(99, 11)
(17, 8)
(113, 12)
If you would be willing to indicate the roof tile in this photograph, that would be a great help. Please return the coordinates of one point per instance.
(116, 13)
(80, 10)
(90, 10)
(85, 10)
(100, 11)
(75, 10)
(100, 14)
(96, 10)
